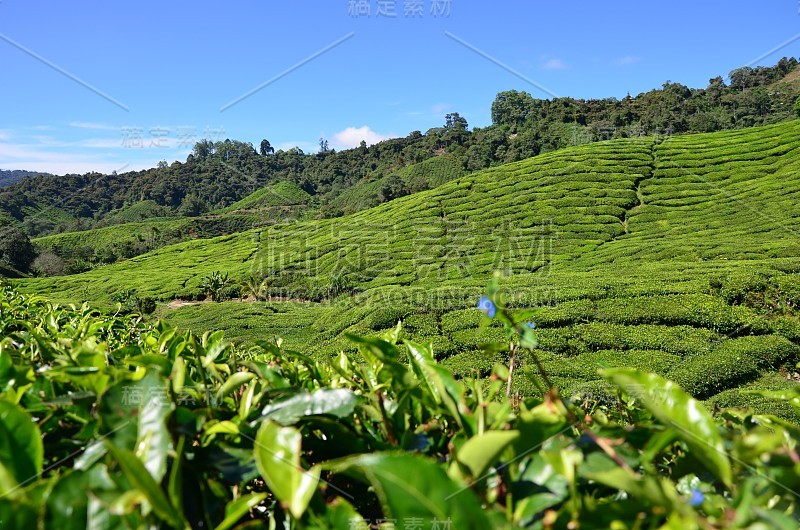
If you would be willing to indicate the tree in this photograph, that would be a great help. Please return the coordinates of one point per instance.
(16, 250)
(203, 149)
(455, 129)
(266, 148)
(454, 122)
(323, 146)
(715, 90)
(192, 206)
(214, 285)
(392, 187)
(512, 108)
(797, 107)
(48, 264)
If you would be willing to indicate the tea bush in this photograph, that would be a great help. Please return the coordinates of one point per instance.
(733, 362)
(110, 423)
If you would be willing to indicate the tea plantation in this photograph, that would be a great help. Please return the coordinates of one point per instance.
(677, 256)
(110, 423)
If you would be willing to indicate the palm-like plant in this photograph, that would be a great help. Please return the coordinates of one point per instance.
(214, 284)
(256, 286)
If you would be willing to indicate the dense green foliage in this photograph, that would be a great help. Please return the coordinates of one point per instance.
(754, 96)
(84, 250)
(144, 228)
(649, 283)
(281, 194)
(673, 252)
(16, 251)
(108, 423)
(218, 174)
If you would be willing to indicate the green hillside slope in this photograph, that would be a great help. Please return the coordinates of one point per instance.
(280, 194)
(141, 227)
(675, 256)
(410, 179)
(117, 242)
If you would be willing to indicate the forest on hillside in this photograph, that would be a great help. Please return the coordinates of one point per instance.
(10, 176)
(217, 174)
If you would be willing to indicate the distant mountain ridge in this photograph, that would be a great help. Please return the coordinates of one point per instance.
(11, 176)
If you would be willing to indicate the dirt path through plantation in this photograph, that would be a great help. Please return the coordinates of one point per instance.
(177, 304)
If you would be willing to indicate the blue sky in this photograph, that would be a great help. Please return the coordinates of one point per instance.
(91, 85)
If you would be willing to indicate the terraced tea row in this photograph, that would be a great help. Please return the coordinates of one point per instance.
(729, 196)
(675, 256)
(517, 218)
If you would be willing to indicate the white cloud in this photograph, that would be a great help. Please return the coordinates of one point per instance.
(555, 64)
(93, 126)
(31, 158)
(47, 141)
(440, 107)
(627, 60)
(352, 137)
(43, 157)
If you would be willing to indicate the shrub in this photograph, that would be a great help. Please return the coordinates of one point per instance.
(423, 324)
(190, 294)
(596, 393)
(16, 249)
(146, 305)
(461, 319)
(215, 284)
(131, 302)
(473, 362)
(48, 264)
(694, 310)
(758, 289)
(739, 398)
(386, 317)
(585, 366)
(77, 266)
(231, 292)
(733, 362)
(683, 340)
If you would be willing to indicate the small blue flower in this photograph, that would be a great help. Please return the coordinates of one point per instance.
(531, 325)
(486, 305)
(697, 497)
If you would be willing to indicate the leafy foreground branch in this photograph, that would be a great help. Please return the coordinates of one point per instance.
(111, 423)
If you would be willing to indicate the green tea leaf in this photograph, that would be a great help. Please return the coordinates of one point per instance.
(675, 408)
(414, 488)
(237, 509)
(153, 441)
(480, 452)
(339, 403)
(233, 383)
(277, 454)
(141, 479)
(21, 447)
